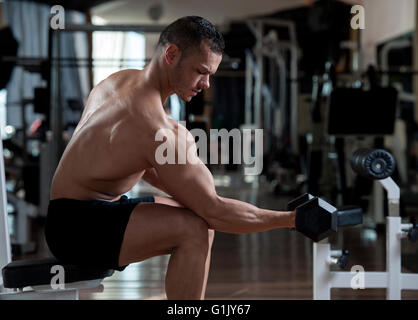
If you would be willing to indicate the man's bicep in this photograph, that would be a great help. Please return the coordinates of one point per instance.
(182, 172)
(191, 184)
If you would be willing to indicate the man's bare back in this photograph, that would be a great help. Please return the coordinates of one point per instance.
(105, 156)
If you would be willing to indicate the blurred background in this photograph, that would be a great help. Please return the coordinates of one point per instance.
(320, 79)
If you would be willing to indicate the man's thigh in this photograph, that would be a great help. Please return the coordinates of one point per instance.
(168, 201)
(156, 229)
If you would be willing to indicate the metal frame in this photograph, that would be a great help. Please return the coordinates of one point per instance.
(272, 48)
(398, 150)
(45, 292)
(5, 252)
(393, 279)
(144, 28)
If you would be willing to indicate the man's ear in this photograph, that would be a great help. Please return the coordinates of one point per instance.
(172, 54)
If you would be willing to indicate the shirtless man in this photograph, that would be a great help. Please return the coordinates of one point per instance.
(114, 146)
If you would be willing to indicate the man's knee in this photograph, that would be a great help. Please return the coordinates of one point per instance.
(195, 230)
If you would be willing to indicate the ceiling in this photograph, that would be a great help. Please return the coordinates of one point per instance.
(217, 11)
(79, 5)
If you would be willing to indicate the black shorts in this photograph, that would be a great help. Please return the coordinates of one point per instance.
(89, 232)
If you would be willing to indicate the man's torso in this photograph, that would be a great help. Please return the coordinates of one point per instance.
(106, 154)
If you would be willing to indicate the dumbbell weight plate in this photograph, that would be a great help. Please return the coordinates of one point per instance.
(292, 205)
(316, 219)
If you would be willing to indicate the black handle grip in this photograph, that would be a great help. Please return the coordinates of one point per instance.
(413, 233)
(373, 164)
(350, 216)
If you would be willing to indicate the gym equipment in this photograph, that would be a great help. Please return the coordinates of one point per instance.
(293, 204)
(317, 219)
(412, 234)
(9, 47)
(21, 194)
(399, 73)
(262, 108)
(366, 162)
(373, 164)
(347, 104)
(38, 274)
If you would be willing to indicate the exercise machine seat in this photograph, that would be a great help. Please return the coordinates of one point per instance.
(24, 273)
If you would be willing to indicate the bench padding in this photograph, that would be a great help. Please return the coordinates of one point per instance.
(24, 273)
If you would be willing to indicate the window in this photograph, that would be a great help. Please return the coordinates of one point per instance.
(114, 51)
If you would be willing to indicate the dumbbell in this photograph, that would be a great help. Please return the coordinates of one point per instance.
(317, 219)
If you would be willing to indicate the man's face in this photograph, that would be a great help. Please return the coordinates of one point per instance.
(191, 74)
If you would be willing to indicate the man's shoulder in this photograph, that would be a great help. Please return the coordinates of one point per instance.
(148, 114)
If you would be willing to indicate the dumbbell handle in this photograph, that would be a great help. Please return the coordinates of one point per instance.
(350, 216)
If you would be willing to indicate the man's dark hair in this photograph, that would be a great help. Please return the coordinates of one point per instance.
(188, 33)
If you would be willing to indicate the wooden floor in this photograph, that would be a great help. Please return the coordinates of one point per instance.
(270, 265)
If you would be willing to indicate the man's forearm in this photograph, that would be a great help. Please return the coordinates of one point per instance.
(234, 216)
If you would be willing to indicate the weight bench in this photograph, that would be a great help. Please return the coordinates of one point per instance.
(41, 277)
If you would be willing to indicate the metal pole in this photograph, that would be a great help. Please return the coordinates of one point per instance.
(5, 251)
(393, 242)
(248, 86)
(321, 273)
(415, 61)
(115, 27)
(393, 258)
(56, 121)
(258, 98)
(294, 99)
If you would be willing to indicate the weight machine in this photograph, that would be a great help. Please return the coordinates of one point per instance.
(378, 165)
(263, 107)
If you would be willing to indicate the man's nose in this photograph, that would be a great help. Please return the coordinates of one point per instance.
(204, 83)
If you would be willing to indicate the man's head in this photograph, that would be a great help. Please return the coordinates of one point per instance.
(192, 50)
